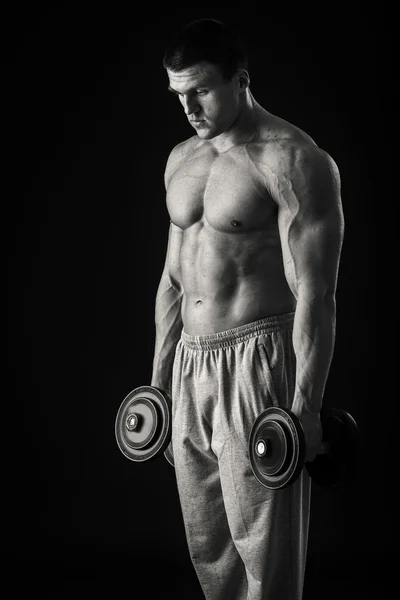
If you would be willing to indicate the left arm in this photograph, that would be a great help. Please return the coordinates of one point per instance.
(305, 184)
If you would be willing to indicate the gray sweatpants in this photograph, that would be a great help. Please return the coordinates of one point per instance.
(246, 542)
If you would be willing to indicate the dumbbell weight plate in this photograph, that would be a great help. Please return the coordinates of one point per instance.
(276, 448)
(143, 423)
(341, 434)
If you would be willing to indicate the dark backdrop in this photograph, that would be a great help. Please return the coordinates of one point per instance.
(89, 125)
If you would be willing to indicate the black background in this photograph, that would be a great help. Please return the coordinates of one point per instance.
(89, 124)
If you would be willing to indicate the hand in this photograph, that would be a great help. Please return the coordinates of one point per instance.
(161, 386)
(312, 428)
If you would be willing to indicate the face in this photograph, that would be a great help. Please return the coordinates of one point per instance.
(211, 104)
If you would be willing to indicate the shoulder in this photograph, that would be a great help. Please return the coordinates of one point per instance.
(295, 156)
(292, 157)
(177, 155)
(283, 149)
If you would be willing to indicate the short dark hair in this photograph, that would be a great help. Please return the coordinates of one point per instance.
(207, 40)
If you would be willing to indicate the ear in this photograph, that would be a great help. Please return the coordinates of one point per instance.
(243, 78)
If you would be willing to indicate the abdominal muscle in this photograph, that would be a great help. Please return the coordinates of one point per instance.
(231, 279)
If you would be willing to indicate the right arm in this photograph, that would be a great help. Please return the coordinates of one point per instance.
(168, 318)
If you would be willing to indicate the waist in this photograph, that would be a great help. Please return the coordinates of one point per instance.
(236, 335)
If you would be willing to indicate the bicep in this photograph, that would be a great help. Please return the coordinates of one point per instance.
(311, 225)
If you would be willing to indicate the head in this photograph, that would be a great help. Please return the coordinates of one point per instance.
(207, 69)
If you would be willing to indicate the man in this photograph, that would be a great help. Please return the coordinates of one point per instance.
(245, 313)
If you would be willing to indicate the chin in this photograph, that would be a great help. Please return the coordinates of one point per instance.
(207, 134)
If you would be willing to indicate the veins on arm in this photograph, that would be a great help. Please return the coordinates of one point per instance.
(305, 183)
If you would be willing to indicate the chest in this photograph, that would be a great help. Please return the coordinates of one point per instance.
(227, 190)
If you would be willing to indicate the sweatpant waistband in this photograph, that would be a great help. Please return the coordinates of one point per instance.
(230, 337)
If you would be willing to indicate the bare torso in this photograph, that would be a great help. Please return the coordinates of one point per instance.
(230, 266)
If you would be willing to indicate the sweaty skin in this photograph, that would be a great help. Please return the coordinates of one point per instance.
(256, 231)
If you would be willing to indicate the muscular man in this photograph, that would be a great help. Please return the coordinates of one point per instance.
(245, 313)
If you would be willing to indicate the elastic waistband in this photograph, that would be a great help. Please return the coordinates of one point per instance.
(230, 337)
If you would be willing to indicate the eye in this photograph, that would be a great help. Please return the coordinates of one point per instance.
(201, 92)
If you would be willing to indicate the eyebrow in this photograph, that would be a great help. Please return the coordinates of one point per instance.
(197, 87)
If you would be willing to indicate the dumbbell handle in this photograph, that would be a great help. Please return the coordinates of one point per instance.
(325, 450)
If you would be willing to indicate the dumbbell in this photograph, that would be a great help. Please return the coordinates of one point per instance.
(143, 423)
(276, 445)
(277, 448)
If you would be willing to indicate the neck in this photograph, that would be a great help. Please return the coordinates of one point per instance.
(243, 127)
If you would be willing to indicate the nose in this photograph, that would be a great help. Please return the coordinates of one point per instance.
(189, 104)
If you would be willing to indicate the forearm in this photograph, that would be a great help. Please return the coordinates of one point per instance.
(168, 323)
(313, 342)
